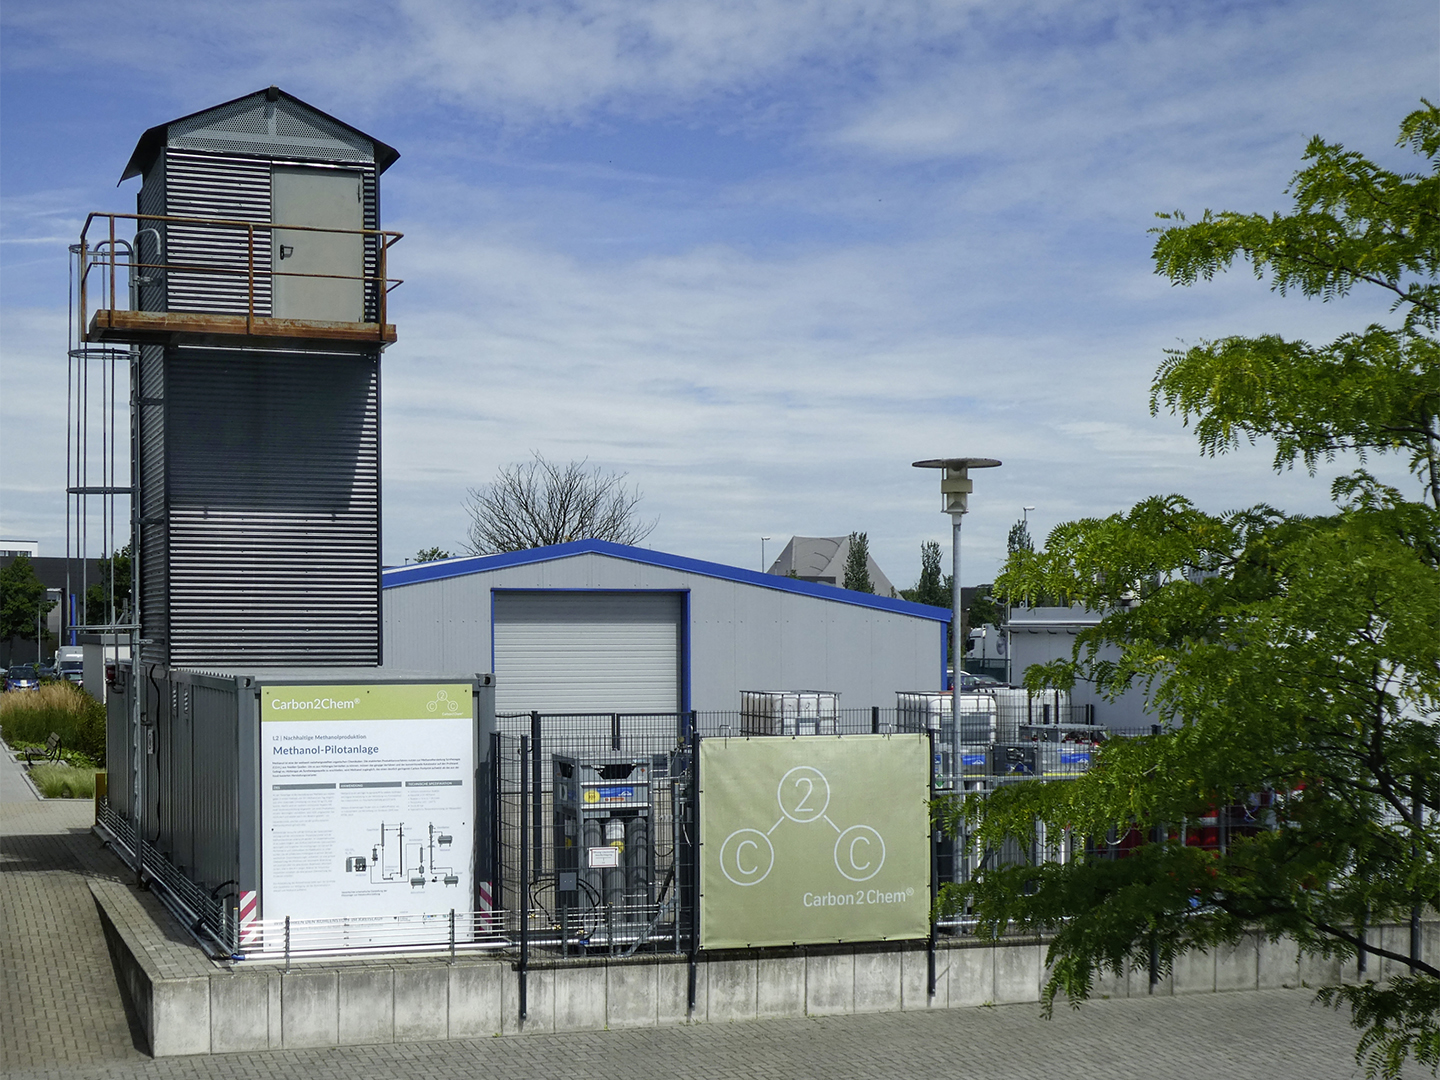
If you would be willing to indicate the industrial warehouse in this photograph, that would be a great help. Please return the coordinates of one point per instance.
(592, 626)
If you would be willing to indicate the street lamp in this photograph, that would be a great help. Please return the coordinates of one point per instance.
(762, 553)
(955, 489)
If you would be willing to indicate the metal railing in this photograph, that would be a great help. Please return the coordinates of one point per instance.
(211, 912)
(450, 932)
(112, 253)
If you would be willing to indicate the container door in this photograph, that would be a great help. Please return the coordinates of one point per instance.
(319, 276)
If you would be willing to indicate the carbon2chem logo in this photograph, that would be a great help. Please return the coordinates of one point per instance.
(443, 704)
(747, 856)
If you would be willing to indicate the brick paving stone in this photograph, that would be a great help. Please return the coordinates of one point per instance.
(59, 1002)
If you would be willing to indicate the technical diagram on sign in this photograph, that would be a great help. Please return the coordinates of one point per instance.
(414, 858)
(747, 856)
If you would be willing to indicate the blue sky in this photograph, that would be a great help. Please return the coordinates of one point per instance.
(760, 256)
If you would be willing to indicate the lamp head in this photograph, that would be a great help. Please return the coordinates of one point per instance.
(955, 482)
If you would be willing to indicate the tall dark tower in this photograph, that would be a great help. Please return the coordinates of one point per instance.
(257, 306)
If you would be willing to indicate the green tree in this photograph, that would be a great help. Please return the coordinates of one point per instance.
(432, 554)
(1293, 662)
(857, 564)
(108, 600)
(983, 611)
(931, 588)
(1019, 538)
(22, 600)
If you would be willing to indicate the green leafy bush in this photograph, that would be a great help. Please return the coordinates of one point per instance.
(29, 716)
(63, 781)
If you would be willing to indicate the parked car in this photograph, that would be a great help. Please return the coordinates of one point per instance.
(22, 677)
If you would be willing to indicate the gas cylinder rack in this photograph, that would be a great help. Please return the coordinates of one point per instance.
(605, 816)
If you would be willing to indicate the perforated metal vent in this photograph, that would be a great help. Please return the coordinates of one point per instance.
(247, 115)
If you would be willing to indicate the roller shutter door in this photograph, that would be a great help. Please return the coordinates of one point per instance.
(587, 651)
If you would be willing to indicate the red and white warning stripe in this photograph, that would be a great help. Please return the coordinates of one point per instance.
(250, 933)
(484, 920)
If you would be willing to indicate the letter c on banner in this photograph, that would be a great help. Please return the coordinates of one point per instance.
(859, 853)
(746, 856)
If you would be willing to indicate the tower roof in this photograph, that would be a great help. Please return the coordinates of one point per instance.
(267, 123)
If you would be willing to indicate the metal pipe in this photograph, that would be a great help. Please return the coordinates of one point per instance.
(524, 872)
(934, 878)
(536, 792)
(693, 848)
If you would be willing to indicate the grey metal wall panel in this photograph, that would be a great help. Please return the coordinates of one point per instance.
(253, 125)
(119, 762)
(273, 508)
(209, 264)
(215, 769)
(741, 637)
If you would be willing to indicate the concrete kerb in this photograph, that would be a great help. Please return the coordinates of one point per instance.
(187, 1005)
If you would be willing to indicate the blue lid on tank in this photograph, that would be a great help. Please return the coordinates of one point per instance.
(268, 123)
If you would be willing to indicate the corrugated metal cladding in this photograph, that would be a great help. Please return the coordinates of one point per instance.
(209, 265)
(154, 578)
(271, 474)
(740, 635)
(588, 651)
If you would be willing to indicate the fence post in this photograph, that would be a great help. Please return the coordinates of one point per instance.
(452, 935)
(874, 719)
(497, 835)
(287, 943)
(615, 732)
(934, 870)
(694, 872)
(537, 784)
(524, 897)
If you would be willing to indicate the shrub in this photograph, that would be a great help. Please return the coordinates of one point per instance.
(64, 708)
(63, 781)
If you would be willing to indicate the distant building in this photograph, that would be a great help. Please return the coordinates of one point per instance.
(1042, 634)
(821, 559)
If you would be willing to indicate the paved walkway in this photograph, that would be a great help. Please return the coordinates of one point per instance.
(59, 1004)
(61, 1015)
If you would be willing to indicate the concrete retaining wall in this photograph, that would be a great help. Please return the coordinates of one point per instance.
(217, 1010)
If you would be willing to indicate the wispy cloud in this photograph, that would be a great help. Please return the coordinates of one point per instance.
(761, 255)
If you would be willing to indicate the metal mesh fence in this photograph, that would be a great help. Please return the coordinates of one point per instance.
(593, 839)
(592, 827)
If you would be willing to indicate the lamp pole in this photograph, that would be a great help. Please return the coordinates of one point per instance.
(955, 489)
(1009, 607)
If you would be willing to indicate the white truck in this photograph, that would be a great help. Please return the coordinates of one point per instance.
(70, 663)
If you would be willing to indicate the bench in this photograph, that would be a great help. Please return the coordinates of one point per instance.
(52, 750)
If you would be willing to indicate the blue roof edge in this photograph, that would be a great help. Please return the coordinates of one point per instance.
(395, 576)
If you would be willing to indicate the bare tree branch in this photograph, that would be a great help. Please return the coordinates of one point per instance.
(539, 502)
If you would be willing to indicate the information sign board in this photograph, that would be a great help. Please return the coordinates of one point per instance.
(367, 804)
(814, 839)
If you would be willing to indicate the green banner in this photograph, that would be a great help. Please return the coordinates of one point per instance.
(814, 839)
(362, 701)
